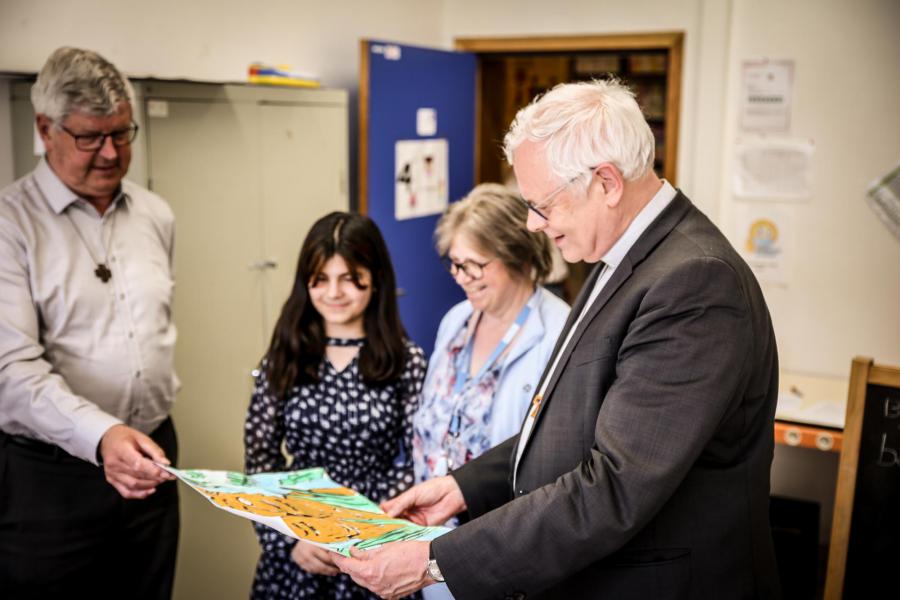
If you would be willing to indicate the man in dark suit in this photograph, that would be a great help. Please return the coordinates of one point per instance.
(642, 470)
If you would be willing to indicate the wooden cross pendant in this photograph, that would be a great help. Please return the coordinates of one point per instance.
(102, 272)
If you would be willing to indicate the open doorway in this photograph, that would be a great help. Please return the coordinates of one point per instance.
(511, 71)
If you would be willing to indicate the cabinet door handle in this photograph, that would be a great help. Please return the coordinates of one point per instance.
(263, 265)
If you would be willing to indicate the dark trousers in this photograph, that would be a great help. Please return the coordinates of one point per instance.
(67, 533)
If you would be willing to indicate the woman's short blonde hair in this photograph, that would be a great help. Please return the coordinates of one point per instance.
(492, 217)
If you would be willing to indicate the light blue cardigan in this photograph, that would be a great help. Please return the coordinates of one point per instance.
(523, 365)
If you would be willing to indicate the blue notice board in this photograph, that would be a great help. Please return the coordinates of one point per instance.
(402, 79)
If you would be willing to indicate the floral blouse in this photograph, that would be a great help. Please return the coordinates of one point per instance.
(360, 434)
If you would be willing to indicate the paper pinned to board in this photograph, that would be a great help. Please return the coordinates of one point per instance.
(773, 168)
(764, 234)
(421, 176)
(884, 199)
(823, 413)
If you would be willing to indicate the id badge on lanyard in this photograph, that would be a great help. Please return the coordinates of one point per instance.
(463, 382)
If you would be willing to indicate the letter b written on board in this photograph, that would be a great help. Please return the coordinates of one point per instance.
(888, 456)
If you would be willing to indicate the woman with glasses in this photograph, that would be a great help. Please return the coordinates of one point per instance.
(492, 347)
(337, 389)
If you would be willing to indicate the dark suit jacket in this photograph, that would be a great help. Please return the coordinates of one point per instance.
(646, 475)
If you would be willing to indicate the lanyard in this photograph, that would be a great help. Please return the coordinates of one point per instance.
(464, 360)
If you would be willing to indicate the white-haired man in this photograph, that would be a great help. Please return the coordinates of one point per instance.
(86, 349)
(642, 470)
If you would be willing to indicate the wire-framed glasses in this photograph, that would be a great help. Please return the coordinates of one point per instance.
(472, 269)
(542, 208)
(89, 142)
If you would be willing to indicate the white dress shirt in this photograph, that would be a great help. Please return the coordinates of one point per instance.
(612, 259)
(77, 355)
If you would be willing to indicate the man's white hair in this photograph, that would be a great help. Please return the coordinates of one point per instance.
(75, 79)
(581, 125)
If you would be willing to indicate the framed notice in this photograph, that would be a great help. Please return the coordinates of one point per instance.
(766, 95)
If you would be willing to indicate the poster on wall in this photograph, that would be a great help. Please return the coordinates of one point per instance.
(773, 168)
(763, 236)
(420, 178)
(766, 95)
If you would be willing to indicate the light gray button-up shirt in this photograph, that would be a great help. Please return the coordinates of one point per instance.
(77, 355)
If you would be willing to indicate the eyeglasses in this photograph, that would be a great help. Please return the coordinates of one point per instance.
(472, 269)
(89, 142)
(541, 208)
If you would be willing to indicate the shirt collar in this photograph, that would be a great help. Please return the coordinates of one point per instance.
(640, 223)
(58, 195)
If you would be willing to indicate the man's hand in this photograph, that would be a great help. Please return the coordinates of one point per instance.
(314, 559)
(128, 456)
(392, 571)
(429, 503)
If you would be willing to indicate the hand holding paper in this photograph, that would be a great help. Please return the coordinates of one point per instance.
(430, 503)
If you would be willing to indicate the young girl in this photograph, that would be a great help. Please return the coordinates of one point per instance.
(338, 388)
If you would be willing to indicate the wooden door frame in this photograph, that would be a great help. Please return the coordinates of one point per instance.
(672, 41)
(362, 131)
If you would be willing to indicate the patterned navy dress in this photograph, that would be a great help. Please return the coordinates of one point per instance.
(361, 435)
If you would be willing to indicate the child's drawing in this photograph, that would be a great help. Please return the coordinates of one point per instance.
(306, 505)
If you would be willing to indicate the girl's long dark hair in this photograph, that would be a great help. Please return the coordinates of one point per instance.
(298, 342)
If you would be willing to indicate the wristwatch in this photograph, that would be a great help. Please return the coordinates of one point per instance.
(433, 571)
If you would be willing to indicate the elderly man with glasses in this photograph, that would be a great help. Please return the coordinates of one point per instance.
(642, 470)
(86, 353)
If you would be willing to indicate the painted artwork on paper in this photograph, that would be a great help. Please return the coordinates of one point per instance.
(306, 505)
(421, 175)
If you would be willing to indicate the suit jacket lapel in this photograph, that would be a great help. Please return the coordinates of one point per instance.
(622, 272)
(580, 300)
(573, 315)
(652, 236)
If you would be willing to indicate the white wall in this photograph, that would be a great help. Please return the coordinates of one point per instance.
(706, 28)
(842, 298)
(214, 40)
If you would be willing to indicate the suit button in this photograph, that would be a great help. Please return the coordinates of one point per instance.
(522, 492)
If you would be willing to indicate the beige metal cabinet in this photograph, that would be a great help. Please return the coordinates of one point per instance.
(247, 171)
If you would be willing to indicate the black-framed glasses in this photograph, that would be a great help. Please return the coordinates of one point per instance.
(541, 208)
(472, 269)
(89, 142)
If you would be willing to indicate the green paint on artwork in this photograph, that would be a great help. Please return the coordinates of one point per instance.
(238, 479)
